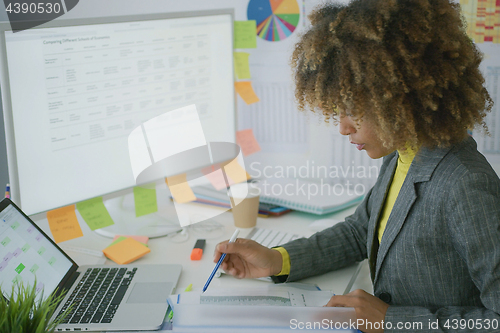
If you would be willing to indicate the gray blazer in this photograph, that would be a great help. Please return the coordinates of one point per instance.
(439, 258)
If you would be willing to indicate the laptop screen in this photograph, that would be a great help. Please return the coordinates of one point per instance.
(26, 252)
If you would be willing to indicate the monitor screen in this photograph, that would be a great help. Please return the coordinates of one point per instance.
(73, 92)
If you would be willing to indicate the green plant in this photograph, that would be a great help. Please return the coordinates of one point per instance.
(24, 312)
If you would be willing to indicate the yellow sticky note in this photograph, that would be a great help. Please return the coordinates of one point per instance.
(245, 34)
(241, 65)
(247, 142)
(234, 171)
(64, 224)
(246, 92)
(179, 188)
(126, 251)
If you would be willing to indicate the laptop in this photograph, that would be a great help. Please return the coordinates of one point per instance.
(106, 297)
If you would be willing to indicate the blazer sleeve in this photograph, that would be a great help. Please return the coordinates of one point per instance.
(333, 248)
(473, 221)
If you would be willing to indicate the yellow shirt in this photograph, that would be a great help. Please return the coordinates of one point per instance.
(404, 161)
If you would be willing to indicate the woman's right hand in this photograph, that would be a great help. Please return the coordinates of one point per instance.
(246, 258)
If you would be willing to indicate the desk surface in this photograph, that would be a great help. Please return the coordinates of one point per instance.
(171, 250)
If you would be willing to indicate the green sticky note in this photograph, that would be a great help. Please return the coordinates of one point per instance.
(122, 238)
(145, 200)
(118, 240)
(245, 34)
(241, 65)
(94, 213)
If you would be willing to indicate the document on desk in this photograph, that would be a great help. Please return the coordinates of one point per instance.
(276, 307)
(257, 297)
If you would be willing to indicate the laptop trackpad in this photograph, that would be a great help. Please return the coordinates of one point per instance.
(150, 292)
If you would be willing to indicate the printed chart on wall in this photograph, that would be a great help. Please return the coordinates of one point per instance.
(483, 27)
(276, 19)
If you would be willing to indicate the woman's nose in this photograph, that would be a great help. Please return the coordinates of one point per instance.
(346, 126)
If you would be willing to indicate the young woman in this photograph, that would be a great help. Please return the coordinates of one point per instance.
(401, 78)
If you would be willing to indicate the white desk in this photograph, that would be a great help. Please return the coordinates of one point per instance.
(165, 250)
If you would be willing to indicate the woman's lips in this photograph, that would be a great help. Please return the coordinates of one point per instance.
(359, 146)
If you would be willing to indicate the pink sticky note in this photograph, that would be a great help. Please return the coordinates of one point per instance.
(214, 174)
(142, 239)
(247, 142)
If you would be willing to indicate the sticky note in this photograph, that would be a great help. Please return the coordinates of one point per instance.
(215, 176)
(241, 65)
(246, 92)
(247, 142)
(126, 251)
(64, 224)
(245, 34)
(179, 188)
(234, 171)
(94, 213)
(145, 200)
(118, 239)
(141, 239)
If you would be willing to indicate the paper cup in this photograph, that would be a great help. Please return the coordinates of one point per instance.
(245, 204)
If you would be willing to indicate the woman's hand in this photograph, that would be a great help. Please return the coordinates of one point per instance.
(248, 259)
(368, 308)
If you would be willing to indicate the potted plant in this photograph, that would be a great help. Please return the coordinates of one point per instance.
(25, 312)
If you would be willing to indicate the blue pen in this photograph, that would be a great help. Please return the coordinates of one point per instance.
(231, 240)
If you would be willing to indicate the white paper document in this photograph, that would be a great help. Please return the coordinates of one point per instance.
(275, 308)
(257, 297)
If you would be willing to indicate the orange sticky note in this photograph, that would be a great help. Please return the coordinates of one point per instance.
(247, 142)
(246, 92)
(234, 171)
(179, 188)
(64, 224)
(126, 251)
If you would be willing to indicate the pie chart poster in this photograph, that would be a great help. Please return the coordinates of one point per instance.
(276, 19)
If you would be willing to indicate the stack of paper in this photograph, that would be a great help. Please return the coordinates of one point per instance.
(308, 196)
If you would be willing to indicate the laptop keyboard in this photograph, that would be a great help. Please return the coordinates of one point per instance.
(98, 295)
(271, 238)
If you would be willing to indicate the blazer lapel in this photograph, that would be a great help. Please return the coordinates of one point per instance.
(421, 169)
(405, 200)
(379, 198)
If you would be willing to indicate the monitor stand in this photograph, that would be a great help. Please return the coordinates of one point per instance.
(122, 211)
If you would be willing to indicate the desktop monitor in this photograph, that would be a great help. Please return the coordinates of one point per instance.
(74, 90)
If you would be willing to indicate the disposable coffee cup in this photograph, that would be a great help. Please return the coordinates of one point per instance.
(245, 204)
